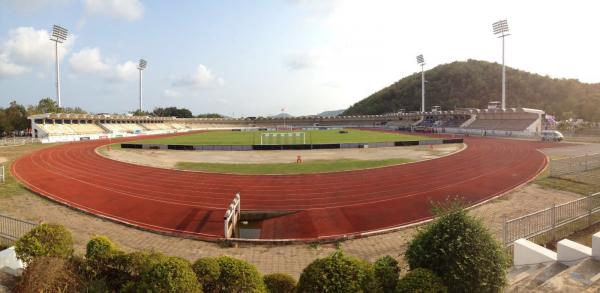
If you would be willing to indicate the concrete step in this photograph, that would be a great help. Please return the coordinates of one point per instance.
(528, 278)
(578, 278)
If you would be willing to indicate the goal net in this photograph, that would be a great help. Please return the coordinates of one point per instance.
(282, 138)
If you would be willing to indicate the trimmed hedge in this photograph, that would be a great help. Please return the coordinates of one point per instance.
(421, 281)
(280, 283)
(172, 274)
(387, 274)
(459, 249)
(50, 240)
(238, 276)
(207, 271)
(337, 273)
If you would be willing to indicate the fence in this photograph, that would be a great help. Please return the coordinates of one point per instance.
(12, 229)
(11, 141)
(554, 222)
(574, 165)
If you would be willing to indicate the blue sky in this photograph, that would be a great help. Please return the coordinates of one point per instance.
(256, 57)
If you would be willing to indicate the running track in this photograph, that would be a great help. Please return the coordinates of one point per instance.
(321, 205)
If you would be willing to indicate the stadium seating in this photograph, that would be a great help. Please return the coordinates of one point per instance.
(123, 127)
(89, 128)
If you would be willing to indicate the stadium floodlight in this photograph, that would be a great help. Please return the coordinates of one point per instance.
(421, 61)
(59, 35)
(142, 65)
(501, 29)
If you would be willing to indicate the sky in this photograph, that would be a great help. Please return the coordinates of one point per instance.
(250, 58)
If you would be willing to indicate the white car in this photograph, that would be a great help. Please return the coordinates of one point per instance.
(552, 135)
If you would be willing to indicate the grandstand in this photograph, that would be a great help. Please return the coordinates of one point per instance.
(522, 122)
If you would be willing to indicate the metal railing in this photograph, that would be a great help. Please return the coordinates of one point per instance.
(12, 141)
(12, 229)
(554, 222)
(574, 165)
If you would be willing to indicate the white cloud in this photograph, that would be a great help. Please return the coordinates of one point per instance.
(129, 10)
(301, 61)
(201, 78)
(189, 85)
(31, 46)
(10, 69)
(126, 71)
(88, 60)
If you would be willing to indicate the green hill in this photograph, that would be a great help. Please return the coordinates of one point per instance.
(472, 84)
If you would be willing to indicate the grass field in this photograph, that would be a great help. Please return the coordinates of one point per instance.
(319, 166)
(253, 137)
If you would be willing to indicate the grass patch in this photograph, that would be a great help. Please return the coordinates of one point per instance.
(253, 137)
(11, 186)
(317, 166)
(568, 185)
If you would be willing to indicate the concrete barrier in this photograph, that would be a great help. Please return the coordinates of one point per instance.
(529, 253)
(9, 262)
(596, 246)
(571, 253)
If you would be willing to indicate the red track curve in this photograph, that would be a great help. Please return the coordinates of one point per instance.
(325, 205)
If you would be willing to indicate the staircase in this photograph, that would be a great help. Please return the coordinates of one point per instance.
(573, 268)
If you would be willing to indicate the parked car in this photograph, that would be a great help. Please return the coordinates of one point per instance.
(552, 135)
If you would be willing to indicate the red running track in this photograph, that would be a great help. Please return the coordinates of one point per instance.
(323, 205)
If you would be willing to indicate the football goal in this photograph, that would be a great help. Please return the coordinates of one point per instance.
(282, 138)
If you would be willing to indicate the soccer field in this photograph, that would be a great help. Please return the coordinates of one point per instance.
(254, 137)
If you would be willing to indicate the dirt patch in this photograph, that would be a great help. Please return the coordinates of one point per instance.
(169, 158)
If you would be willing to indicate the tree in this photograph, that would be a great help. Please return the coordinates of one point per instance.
(209, 115)
(16, 117)
(459, 248)
(337, 273)
(173, 112)
(45, 105)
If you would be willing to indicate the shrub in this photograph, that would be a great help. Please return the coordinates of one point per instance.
(50, 274)
(337, 273)
(172, 274)
(208, 271)
(421, 281)
(386, 272)
(459, 249)
(100, 253)
(45, 240)
(280, 283)
(238, 276)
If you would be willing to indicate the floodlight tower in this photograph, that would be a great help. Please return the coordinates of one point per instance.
(421, 61)
(501, 30)
(141, 68)
(59, 35)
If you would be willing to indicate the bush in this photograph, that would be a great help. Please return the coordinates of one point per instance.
(208, 271)
(50, 274)
(238, 276)
(100, 253)
(280, 283)
(386, 272)
(337, 273)
(45, 240)
(172, 274)
(459, 249)
(421, 281)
